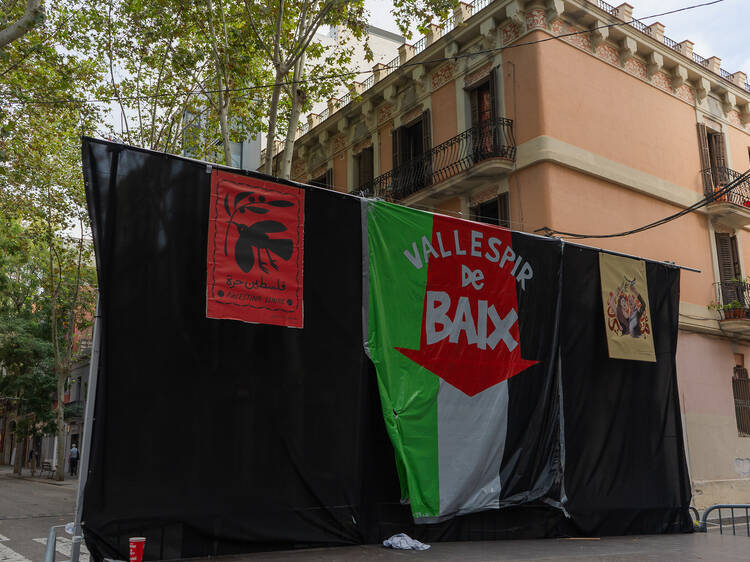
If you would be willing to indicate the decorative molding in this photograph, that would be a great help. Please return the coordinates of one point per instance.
(662, 80)
(360, 146)
(582, 41)
(487, 27)
(514, 12)
(477, 74)
(339, 143)
(550, 149)
(628, 47)
(734, 118)
(451, 49)
(685, 93)
(389, 94)
(536, 18)
(510, 32)
(555, 9)
(483, 196)
(442, 75)
(411, 115)
(385, 112)
(298, 168)
(607, 52)
(703, 86)
(729, 101)
(598, 34)
(655, 63)
(636, 68)
(679, 76)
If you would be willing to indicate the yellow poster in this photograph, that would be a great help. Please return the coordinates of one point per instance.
(627, 315)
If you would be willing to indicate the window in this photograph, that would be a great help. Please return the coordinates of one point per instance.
(324, 180)
(364, 167)
(713, 158)
(482, 101)
(495, 211)
(412, 170)
(484, 131)
(728, 259)
(741, 391)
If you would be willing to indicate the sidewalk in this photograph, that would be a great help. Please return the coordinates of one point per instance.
(697, 546)
(6, 471)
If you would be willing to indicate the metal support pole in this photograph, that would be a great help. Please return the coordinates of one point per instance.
(87, 430)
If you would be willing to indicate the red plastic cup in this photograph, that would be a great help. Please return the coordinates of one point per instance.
(136, 548)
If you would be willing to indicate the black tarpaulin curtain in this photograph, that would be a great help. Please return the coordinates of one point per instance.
(218, 437)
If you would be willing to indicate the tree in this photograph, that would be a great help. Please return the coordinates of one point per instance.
(181, 73)
(286, 32)
(41, 187)
(15, 24)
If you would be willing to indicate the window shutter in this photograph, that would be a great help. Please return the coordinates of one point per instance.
(504, 209)
(724, 256)
(366, 164)
(735, 258)
(720, 157)
(426, 147)
(726, 261)
(426, 136)
(395, 134)
(474, 103)
(493, 100)
(708, 186)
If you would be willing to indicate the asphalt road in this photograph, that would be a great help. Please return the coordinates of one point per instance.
(28, 508)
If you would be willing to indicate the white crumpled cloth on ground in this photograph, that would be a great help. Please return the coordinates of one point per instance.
(402, 541)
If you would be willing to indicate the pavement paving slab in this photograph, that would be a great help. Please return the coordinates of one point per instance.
(697, 546)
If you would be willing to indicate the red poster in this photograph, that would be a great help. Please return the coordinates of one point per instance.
(255, 251)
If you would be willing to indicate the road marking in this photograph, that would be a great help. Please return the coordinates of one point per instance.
(9, 555)
(64, 546)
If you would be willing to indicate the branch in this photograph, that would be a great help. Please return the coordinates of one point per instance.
(262, 43)
(32, 16)
(277, 34)
(112, 72)
(311, 30)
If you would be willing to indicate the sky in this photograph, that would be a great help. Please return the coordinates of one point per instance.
(718, 30)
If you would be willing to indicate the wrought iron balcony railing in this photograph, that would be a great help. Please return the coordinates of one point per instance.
(491, 139)
(719, 177)
(732, 299)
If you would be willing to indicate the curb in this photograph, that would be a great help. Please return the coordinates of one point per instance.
(40, 480)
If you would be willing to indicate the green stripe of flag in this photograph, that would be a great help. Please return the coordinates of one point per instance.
(408, 392)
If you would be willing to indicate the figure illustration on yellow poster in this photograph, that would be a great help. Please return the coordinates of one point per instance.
(625, 313)
(626, 310)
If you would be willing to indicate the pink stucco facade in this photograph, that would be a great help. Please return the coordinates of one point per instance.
(606, 131)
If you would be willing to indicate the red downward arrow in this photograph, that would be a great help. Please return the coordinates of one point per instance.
(470, 335)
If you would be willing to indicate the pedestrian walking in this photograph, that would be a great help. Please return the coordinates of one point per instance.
(73, 460)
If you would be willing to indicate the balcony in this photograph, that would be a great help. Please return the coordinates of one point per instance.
(482, 152)
(733, 306)
(733, 208)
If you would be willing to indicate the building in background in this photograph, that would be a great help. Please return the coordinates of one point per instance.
(611, 126)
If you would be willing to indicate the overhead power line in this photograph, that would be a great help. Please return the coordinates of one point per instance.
(351, 74)
(716, 195)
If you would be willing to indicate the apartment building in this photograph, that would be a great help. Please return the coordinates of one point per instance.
(570, 116)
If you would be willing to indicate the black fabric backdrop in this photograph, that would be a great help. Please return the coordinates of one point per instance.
(216, 437)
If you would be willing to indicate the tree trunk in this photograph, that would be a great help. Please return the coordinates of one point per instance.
(298, 99)
(224, 121)
(272, 115)
(223, 88)
(32, 16)
(60, 458)
(18, 461)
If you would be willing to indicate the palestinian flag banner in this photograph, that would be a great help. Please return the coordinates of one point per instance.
(461, 329)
